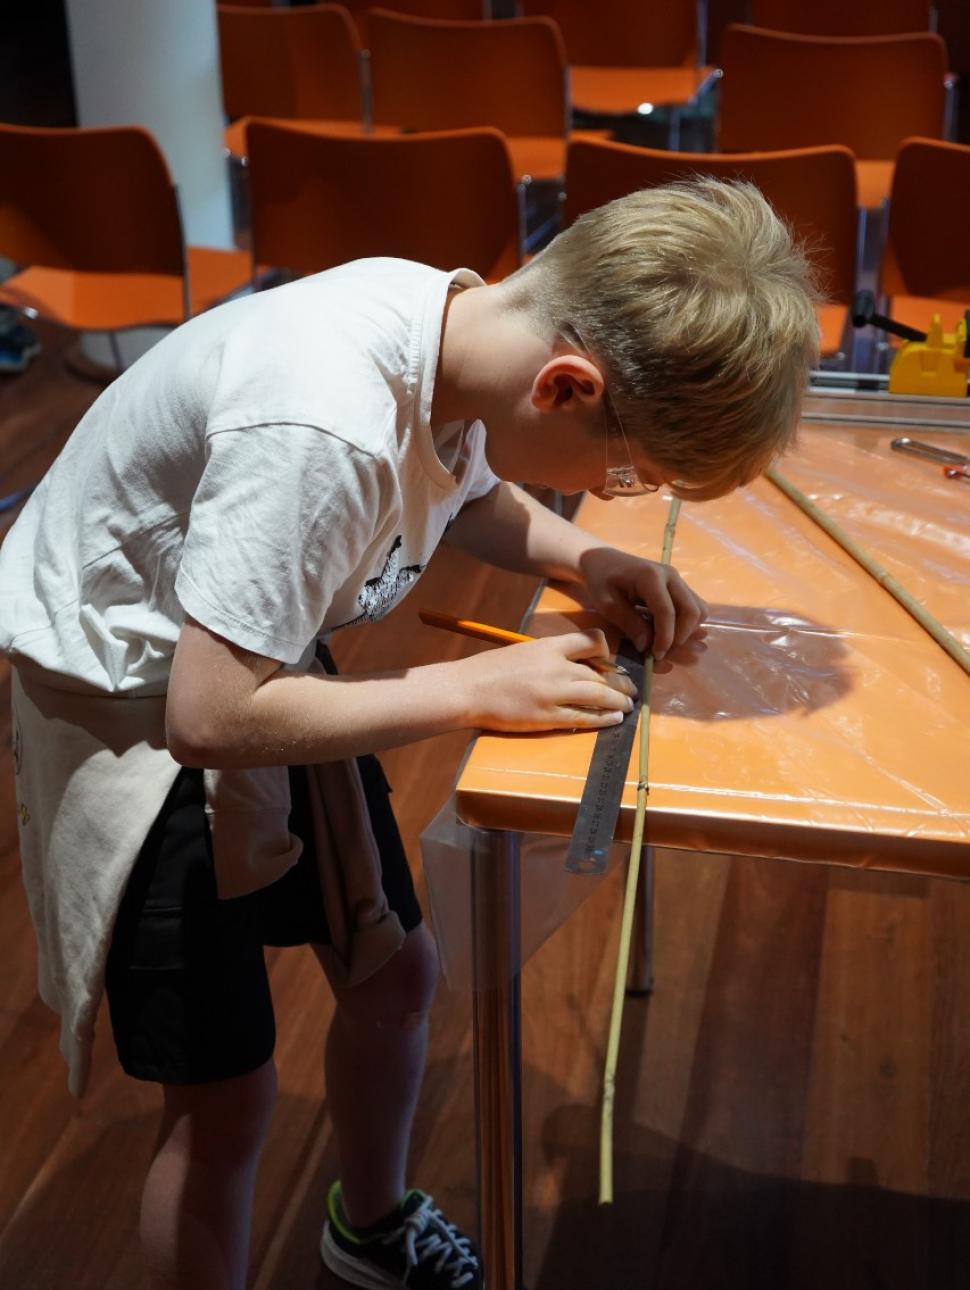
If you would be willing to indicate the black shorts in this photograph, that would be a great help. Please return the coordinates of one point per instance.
(186, 978)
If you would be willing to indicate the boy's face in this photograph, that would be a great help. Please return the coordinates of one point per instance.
(576, 443)
(576, 455)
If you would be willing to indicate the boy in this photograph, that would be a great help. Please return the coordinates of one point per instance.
(275, 469)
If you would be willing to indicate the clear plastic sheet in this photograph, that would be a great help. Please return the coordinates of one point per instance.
(548, 895)
(819, 721)
(906, 512)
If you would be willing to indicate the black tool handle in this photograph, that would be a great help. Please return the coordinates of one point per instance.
(864, 314)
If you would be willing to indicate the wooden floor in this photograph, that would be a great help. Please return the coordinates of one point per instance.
(794, 1099)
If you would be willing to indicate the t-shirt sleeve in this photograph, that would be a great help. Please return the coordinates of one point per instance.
(280, 520)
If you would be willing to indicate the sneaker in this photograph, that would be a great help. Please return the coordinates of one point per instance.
(415, 1247)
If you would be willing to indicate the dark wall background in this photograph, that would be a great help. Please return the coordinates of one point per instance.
(35, 67)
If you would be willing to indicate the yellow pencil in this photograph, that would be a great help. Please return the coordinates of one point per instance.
(501, 636)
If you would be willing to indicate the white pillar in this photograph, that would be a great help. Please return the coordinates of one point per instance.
(155, 63)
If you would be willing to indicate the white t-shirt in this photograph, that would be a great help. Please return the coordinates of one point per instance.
(268, 468)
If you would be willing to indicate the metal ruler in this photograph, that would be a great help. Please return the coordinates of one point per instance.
(599, 807)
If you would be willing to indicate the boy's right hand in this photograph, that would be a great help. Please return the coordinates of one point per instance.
(544, 685)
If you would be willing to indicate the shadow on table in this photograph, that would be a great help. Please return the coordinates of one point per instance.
(756, 663)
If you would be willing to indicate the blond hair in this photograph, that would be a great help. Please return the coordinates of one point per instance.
(698, 304)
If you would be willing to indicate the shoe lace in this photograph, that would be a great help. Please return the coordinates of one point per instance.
(424, 1233)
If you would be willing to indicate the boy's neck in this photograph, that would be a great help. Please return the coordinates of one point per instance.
(487, 357)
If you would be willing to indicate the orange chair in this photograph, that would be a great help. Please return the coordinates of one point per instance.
(624, 53)
(437, 75)
(782, 91)
(813, 189)
(926, 268)
(299, 63)
(447, 199)
(93, 216)
(837, 18)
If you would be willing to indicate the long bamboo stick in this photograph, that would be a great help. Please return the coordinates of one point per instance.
(872, 566)
(629, 902)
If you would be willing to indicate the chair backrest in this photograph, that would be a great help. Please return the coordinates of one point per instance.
(928, 250)
(812, 189)
(95, 200)
(301, 62)
(447, 199)
(839, 18)
(623, 33)
(437, 75)
(869, 93)
(453, 10)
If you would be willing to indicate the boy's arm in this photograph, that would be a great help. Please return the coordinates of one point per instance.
(508, 528)
(228, 707)
(513, 531)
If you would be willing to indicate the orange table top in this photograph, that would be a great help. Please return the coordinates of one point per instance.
(820, 722)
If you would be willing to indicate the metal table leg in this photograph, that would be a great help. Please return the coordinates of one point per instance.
(498, 1063)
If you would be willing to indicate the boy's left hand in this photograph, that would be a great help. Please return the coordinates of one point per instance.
(617, 582)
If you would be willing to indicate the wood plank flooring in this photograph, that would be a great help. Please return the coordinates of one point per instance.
(792, 1101)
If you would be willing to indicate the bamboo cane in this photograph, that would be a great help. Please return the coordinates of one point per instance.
(882, 575)
(629, 901)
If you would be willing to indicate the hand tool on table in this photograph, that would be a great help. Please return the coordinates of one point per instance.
(956, 466)
(502, 636)
(929, 450)
(599, 808)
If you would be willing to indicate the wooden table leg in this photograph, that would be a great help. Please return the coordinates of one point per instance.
(498, 1062)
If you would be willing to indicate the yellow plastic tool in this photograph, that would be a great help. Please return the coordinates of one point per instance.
(935, 362)
(937, 365)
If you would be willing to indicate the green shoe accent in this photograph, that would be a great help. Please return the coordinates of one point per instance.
(414, 1248)
(335, 1211)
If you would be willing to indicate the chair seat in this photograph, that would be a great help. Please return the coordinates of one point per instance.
(832, 320)
(918, 311)
(544, 156)
(114, 301)
(216, 274)
(874, 180)
(620, 90)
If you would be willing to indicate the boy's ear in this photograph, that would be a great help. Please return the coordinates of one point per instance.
(566, 379)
